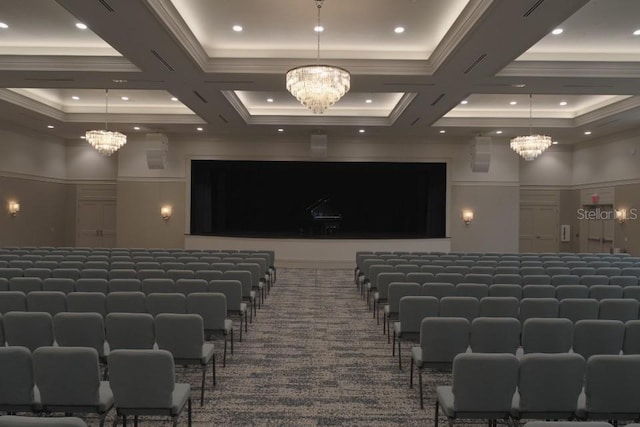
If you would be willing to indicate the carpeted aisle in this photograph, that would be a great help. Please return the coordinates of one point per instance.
(314, 356)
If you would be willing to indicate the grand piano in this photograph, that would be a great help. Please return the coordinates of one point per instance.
(325, 218)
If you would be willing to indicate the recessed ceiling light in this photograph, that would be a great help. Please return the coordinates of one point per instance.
(120, 80)
(318, 28)
(398, 30)
(361, 130)
(499, 132)
(173, 98)
(124, 98)
(635, 33)
(519, 85)
(50, 126)
(443, 131)
(199, 129)
(280, 130)
(136, 128)
(237, 28)
(269, 99)
(368, 101)
(513, 102)
(557, 31)
(81, 26)
(587, 132)
(75, 98)
(465, 102)
(3, 25)
(555, 143)
(83, 137)
(563, 103)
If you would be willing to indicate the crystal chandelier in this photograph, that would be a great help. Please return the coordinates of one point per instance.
(530, 146)
(105, 141)
(318, 86)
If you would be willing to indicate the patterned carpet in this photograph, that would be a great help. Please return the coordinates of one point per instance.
(314, 356)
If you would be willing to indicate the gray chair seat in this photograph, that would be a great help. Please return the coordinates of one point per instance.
(20, 421)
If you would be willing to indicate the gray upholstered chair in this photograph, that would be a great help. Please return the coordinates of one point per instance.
(482, 387)
(565, 279)
(248, 295)
(593, 279)
(538, 308)
(441, 339)
(25, 284)
(158, 303)
(124, 285)
(505, 290)
(536, 279)
(87, 302)
(130, 331)
(412, 309)
(92, 285)
(209, 275)
(485, 279)
(592, 337)
(631, 344)
(30, 330)
(611, 388)
(154, 273)
(601, 292)
(466, 307)
(52, 302)
(623, 281)
(571, 292)
(547, 335)
(538, 291)
(614, 309)
(12, 301)
(499, 307)
(576, 309)
(68, 379)
(397, 290)
(17, 388)
(495, 335)
(439, 289)
(126, 302)
(536, 399)
(212, 307)
(59, 284)
(190, 286)
(475, 290)
(81, 330)
(143, 383)
(232, 290)
(183, 336)
(158, 285)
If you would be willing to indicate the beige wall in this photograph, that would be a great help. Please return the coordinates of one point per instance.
(139, 223)
(627, 235)
(568, 214)
(44, 214)
(495, 226)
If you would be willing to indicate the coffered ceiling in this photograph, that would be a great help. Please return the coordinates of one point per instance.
(459, 68)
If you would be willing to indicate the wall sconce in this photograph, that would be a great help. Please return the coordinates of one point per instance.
(14, 208)
(165, 212)
(467, 216)
(621, 215)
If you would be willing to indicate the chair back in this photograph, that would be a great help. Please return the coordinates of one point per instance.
(16, 371)
(591, 337)
(158, 303)
(30, 330)
(132, 331)
(180, 334)
(80, 330)
(212, 307)
(442, 338)
(495, 335)
(547, 335)
(612, 386)
(466, 307)
(412, 309)
(87, 302)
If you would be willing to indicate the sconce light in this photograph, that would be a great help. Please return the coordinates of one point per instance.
(621, 215)
(467, 216)
(165, 211)
(14, 208)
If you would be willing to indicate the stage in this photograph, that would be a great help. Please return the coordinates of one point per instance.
(320, 253)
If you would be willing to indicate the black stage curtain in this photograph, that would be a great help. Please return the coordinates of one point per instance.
(279, 199)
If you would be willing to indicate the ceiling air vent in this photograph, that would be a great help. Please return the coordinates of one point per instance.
(417, 119)
(196, 93)
(438, 99)
(475, 63)
(106, 5)
(222, 118)
(532, 8)
(162, 60)
(40, 79)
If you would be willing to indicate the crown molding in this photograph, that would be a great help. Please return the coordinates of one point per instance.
(523, 122)
(66, 63)
(608, 111)
(594, 69)
(31, 104)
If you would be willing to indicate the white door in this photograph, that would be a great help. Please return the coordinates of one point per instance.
(539, 229)
(600, 230)
(96, 224)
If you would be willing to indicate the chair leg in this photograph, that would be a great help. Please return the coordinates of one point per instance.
(135, 421)
(400, 354)
(124, 420)
(102, 419)
(189, 412)
(204, 374)
(420, 379)
(224, 354)
(115, 420)
(388, 328)
(411, 374)
(232, 341)
(435, 419)
(393, 343)
(213, 368)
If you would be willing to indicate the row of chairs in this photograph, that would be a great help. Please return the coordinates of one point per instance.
(615, 308)
(499, 386)
(211, 307)
(67, 380)
(442, 339)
